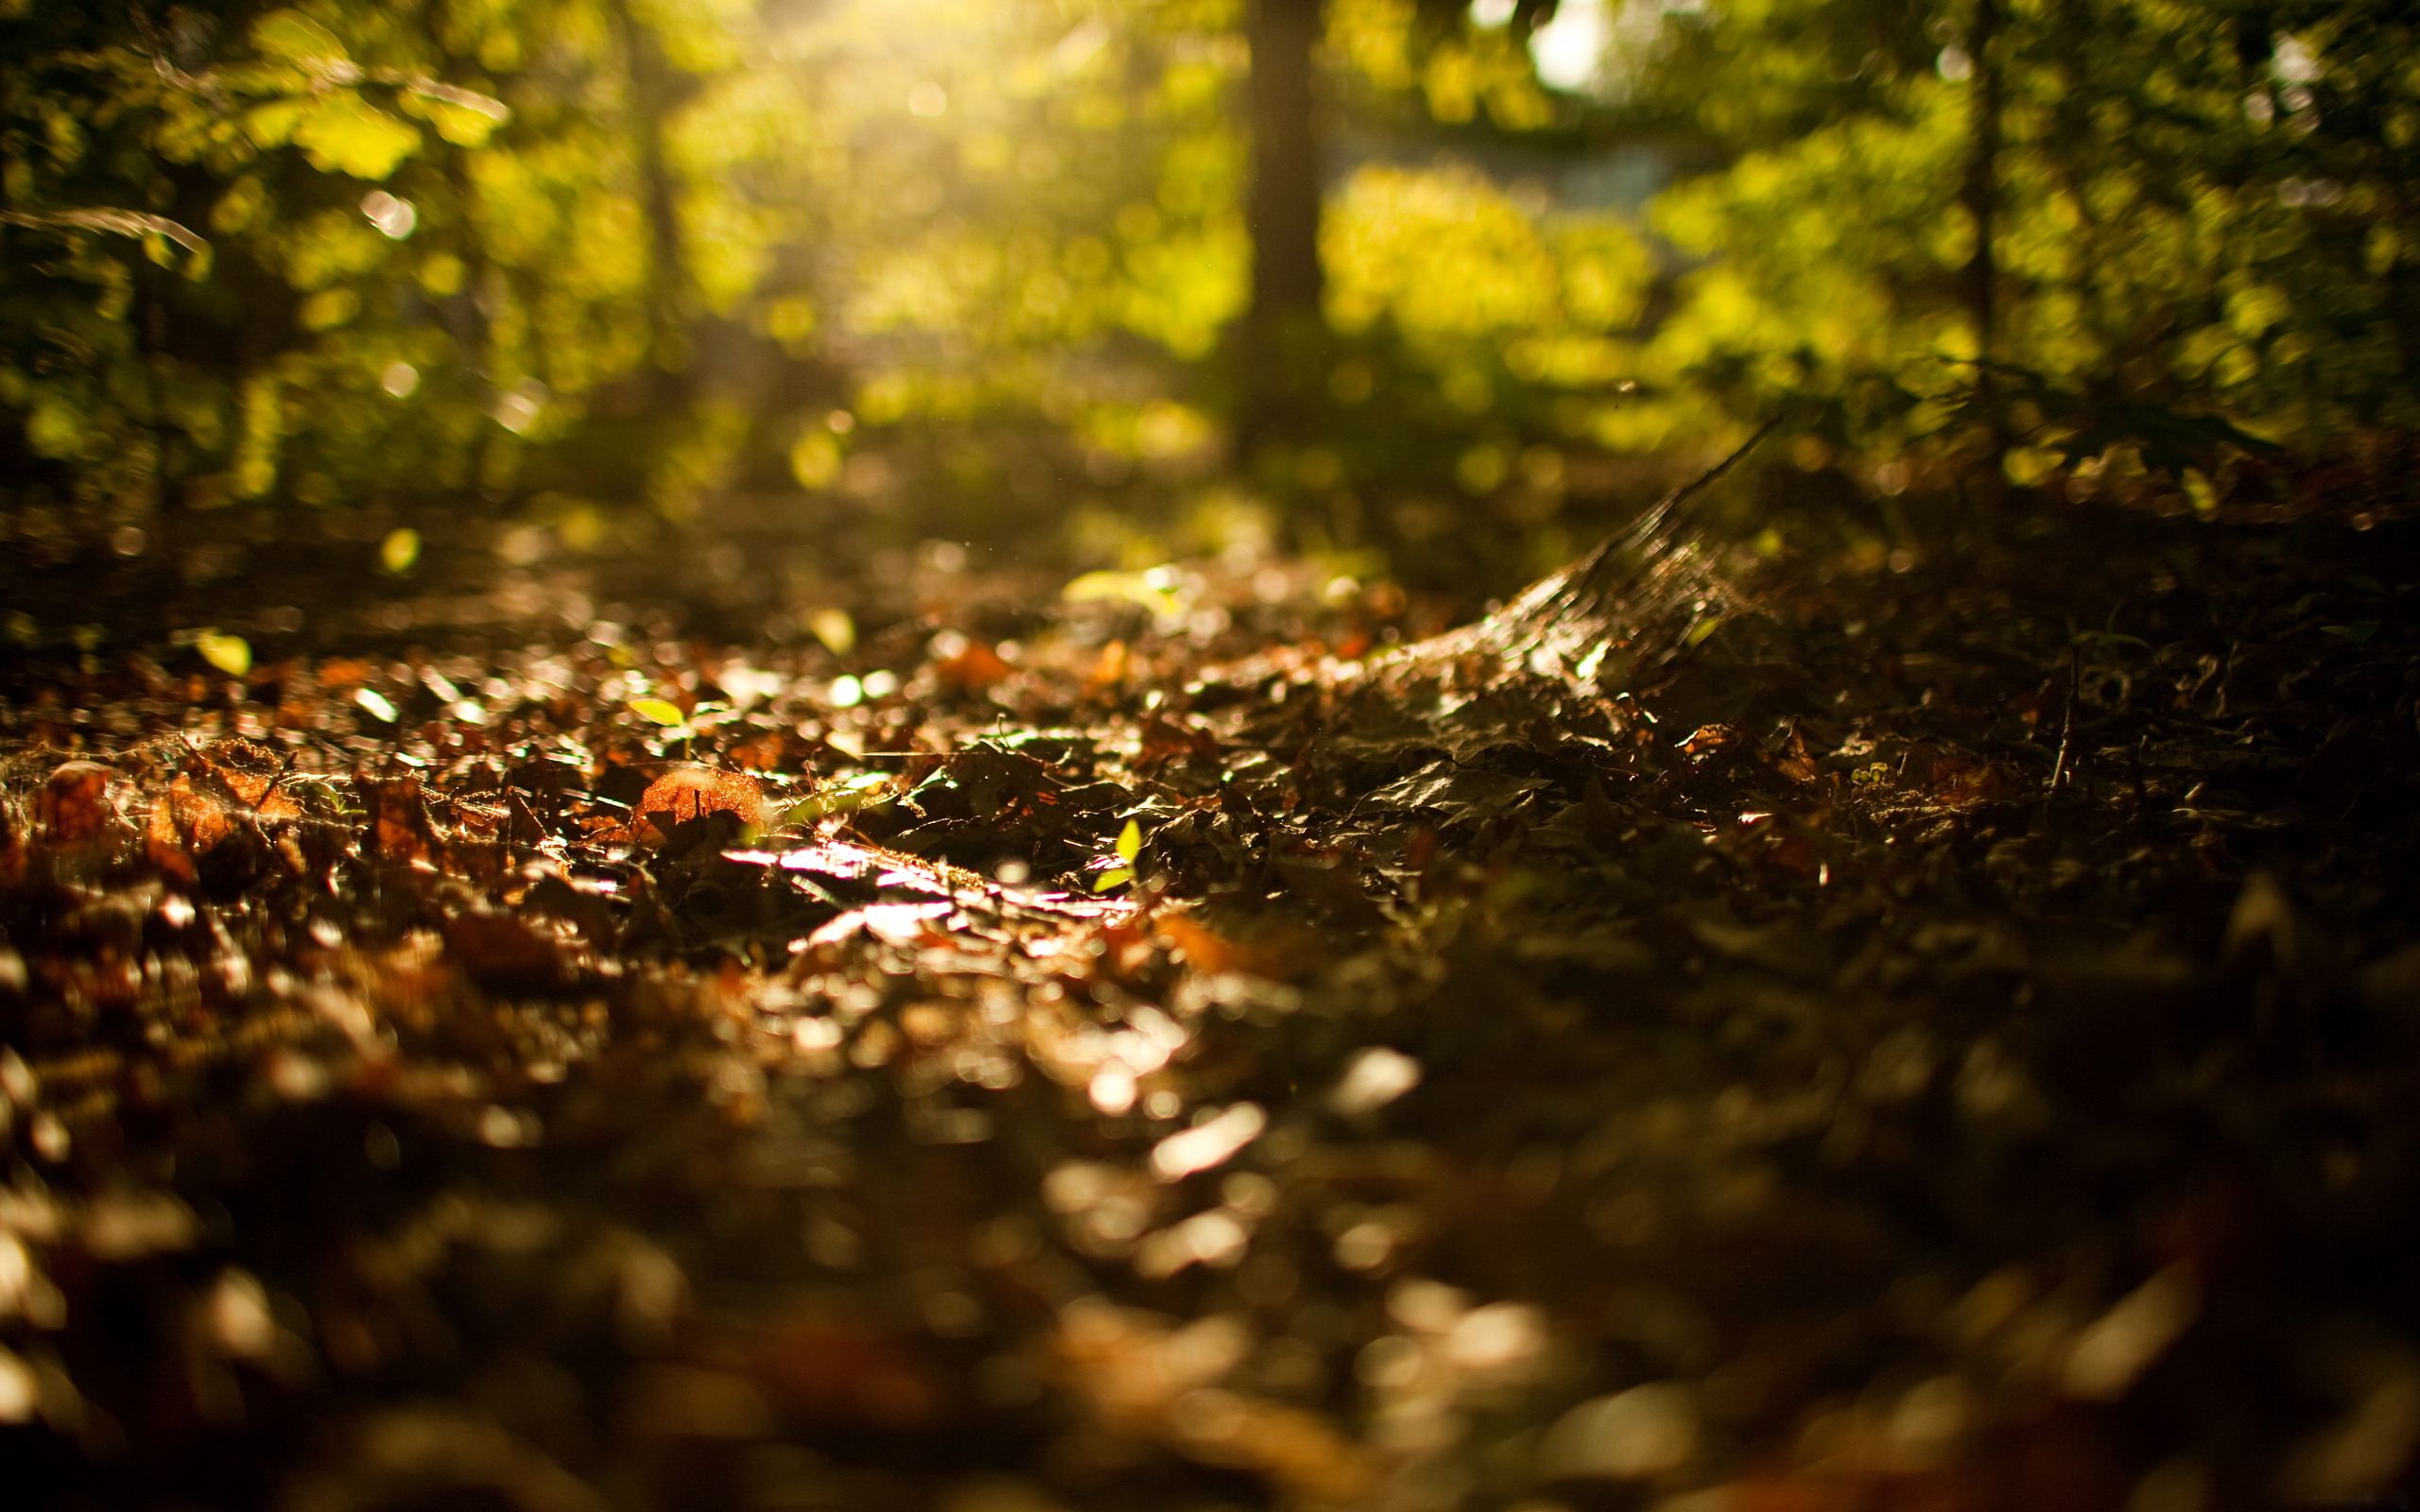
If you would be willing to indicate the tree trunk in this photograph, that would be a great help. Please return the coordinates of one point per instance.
(654, 92)
(1282, 328)
(1980, 194)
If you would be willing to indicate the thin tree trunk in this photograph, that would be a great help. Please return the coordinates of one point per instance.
(1981, 196)
(1283, 213)
(652, 96)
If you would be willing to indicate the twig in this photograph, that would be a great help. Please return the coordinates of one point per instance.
(2067, 722)
(1707, 479)
(1657, 517)
(1616, 558)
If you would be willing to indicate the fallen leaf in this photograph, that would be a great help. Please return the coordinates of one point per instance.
(74, 810)
(693, 792)
(975, 668)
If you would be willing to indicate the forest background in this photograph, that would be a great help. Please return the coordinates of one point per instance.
(504, 282)
(807, 880)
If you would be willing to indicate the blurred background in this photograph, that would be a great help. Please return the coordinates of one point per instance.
(736, 302)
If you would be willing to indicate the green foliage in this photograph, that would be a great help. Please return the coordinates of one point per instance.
(394, 260)
(354, 254)
(361, 267)
(1432, 51)
(2200, 210)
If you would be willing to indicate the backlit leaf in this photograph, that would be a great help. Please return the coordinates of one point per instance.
(398, 550)
(833, 628)
(230, 654)
(344, 133)
(292, 34)
(691, 793)
(657, 710)
(272, 124)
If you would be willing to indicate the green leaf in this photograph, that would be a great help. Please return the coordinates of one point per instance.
(398, 550)
(1130, 842)
(833, 628)
(292, 34)
(2359, 632)
(272, 124)
(230, 654)
(1113, 877)
(1153, 590)
(343, 133)
(657, 710)
(462, 116)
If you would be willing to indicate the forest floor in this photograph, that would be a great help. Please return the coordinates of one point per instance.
(1854, 1032)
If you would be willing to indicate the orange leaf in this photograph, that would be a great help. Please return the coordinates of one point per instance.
(1111, 669)
(338, 672)
(693, 792)
(975, 668)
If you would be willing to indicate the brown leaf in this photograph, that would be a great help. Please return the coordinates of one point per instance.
(502, 952)
(73, 808)
(823, 1369)
(400, 828)
(1163, 740)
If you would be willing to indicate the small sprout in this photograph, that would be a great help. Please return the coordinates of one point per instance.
(658, 710)
(230, 654)
(1121, 869)
(865, 790)
(833, 628)
(2359, 632)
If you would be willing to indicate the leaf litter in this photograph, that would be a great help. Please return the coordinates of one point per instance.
(1723, 1032)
